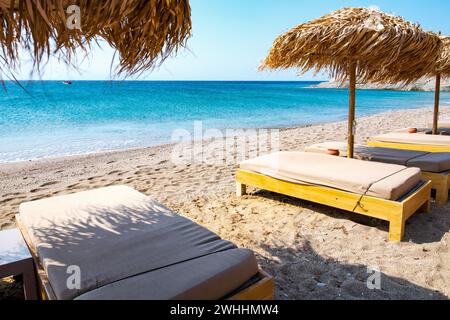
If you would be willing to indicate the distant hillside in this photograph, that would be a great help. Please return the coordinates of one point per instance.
(421, 85)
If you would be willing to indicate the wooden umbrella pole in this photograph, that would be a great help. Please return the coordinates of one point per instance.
(351, 108)
(436, 103)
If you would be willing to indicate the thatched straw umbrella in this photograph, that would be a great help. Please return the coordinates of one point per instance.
(357, 44)
(442, 70)
(143, 32)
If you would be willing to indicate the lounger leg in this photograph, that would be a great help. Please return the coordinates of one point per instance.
(241, 189)
(442, 195)
(29, 282)
(425, 208)
(396, 230)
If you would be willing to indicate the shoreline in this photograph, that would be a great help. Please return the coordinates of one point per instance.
(313, 252)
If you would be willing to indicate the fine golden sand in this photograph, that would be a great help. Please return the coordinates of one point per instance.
(314, 252)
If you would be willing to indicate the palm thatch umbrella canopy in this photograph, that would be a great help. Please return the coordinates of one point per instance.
(444, 59)
(357, 44)
(143, 32)
(442, 70)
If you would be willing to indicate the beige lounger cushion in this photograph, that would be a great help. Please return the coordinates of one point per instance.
(385, 181)
(414, 138)
(204, 278)
(116, 233)
(432, 162)
(427, 161)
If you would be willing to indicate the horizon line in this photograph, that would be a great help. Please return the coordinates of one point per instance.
(160, 80)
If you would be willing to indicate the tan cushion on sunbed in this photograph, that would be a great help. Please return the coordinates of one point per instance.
(386, 181)
(426, 161)
(386, 155)
(432, 162)
(414, 138)
(112, 234)
(204, 278)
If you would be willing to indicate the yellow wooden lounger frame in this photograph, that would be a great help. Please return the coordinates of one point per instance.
(439, 181)
(408, 146)
(395, 212)
(262, 286)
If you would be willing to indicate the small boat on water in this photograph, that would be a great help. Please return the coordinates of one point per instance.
(67, 82)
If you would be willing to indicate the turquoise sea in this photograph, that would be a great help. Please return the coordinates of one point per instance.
(52, 119)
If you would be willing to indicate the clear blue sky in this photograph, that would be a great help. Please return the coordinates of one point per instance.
(231, 37)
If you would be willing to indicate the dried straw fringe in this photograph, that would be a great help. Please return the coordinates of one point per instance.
(386, 48)
(444, 61)
(144, 32)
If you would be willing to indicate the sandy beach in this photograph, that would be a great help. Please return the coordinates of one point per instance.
(314, 252)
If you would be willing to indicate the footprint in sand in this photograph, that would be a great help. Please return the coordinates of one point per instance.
(113, 172)
(140, 172)
(5, 225)
(93, 178)
(110, 162)
(47, 184)
(10, 195)
(6, 200)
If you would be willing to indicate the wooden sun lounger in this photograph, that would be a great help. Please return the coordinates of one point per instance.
(260, 287)
(395, 212)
